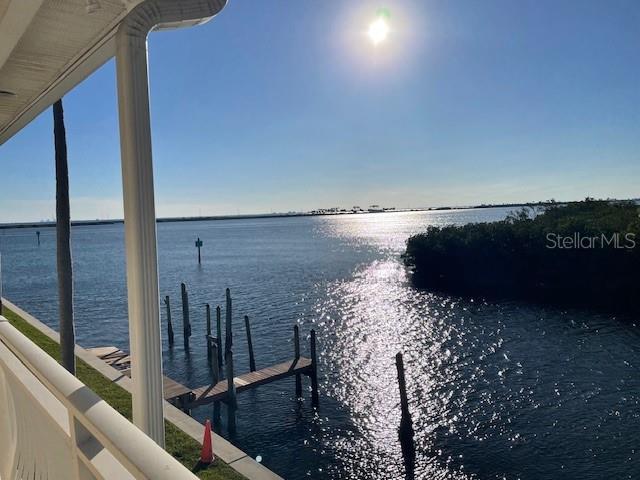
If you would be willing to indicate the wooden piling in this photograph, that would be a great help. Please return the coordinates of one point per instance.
(198, 246)
(219, 335)
(169, 324)
(186, 324)
(38, 235)
(314, 371)
(252, 360)
(296, 347)
(215, 349)
(228, 341)
(405, 432)
(232, 402)
(208, 311)
(402, 385)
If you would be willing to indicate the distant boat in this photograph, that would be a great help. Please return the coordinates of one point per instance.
(375, 209)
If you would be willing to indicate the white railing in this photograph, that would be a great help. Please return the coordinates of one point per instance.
(53, 426)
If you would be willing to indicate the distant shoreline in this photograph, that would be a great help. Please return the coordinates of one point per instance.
(199, 219)
(194, 219)
(79, 223)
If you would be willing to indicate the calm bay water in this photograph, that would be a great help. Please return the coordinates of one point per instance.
(497, 389)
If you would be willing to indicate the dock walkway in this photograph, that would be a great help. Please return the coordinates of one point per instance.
(186, 398)
(174, 392)
(247, 381)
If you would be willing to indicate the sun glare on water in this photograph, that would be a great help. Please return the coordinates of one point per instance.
(378, 31)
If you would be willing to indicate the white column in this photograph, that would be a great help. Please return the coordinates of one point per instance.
(140, 233)
(0, 284)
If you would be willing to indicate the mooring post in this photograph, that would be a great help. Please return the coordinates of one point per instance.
(186, 324)
(199, 245)
(405, 431)
(252, 360)
(169, 325)
(219, 335)
(38, 235)
(296, 348)
(228, 340)
(232, 403)
(208, 309)
(216, 375)
(314, 371)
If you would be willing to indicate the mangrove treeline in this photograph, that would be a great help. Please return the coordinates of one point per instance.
(583, 253)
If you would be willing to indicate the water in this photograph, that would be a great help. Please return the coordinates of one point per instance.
(497, 389)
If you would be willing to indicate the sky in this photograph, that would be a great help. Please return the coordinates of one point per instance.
(286, 105)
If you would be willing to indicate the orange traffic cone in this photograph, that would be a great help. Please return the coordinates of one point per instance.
(206, 456)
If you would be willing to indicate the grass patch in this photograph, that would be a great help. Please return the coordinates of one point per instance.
(180, 445)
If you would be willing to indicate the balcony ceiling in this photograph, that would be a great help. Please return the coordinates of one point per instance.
(46, 48)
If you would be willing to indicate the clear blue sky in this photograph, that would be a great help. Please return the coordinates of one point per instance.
(286, 105)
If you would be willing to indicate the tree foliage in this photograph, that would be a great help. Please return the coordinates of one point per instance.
(584, 253)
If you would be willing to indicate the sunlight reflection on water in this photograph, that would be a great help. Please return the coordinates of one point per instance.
(379, 314)
(390, 236)
(482, 404)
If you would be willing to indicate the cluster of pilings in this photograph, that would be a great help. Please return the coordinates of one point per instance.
(220, 354)
(212, 341)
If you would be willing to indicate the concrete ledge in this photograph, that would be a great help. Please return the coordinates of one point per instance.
(222, 448)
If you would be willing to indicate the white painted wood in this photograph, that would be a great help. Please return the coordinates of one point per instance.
(29, 415)
(13, 24)
(140, 235)
(60, 47)
(0, 284)
(139, 200)
(53, 426)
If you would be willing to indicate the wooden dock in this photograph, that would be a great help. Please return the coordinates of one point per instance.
(174, 392)
(186, 398)
(224, 384)
(247, 381)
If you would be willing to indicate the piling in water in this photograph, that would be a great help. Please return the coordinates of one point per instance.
(252, 360)
(296, 349)
(169, 324)
(219, 335)
(232, 402)
(186, 324)
(314, 371)
(228, 341)
(208, 312)
(198, 246)
(405, 432)
(216, 374)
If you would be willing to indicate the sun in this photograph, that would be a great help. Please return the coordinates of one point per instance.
(378, 31)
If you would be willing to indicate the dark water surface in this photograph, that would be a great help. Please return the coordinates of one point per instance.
(497, 389)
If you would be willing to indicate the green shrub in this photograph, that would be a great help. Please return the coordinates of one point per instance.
(514, 257)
